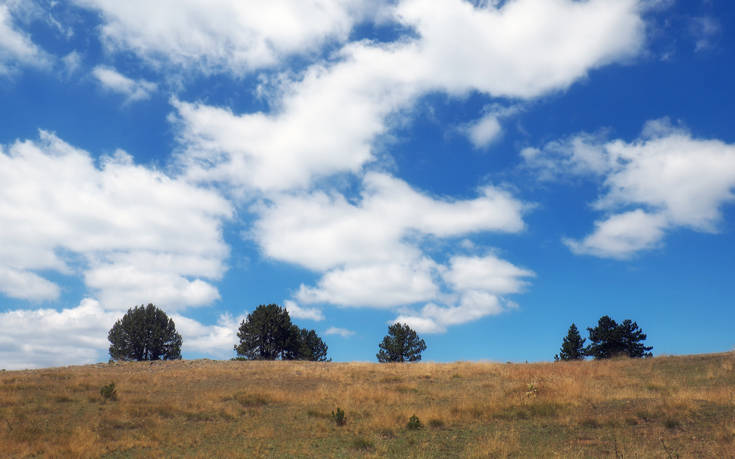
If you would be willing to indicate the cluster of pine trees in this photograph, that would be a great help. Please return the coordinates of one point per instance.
(608, 339)
(146, 333)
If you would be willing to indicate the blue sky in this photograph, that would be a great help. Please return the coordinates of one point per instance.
(488, 172)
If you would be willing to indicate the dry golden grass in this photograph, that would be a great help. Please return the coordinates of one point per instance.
(661, 407)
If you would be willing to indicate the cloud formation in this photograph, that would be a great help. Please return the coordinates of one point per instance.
(371, 252)
(16, 47)
(75, 336)
(224, 36)
(665, 179)
(133, 90)
(328, 119)
(135, 234)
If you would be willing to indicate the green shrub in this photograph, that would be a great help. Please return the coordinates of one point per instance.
(436, 423)
(363, 444)
(108, 392)
(339, 417)
(414, 423)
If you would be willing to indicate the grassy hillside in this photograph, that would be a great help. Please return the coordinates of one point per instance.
(661, 407)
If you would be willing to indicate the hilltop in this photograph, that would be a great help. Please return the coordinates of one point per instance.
(660, 407)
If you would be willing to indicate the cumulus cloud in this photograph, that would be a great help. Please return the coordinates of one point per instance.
(134, 233)
(370, 251)
(38, 338)
(16, 47)
(327, 119)
(478, 288)
(343, 332)
(47, 337)
(668, 177)
(488, 273)
(214, 340)
(224, 35)
(294, 310)
(622, 235)
(133, 90)
(386, 284)
(321, 231)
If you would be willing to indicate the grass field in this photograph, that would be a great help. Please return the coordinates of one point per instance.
(662, 407)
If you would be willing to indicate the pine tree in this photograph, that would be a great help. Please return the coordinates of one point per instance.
(610, 339)
(144, 333)
(400, 345)
(268, 334)
(572, 347)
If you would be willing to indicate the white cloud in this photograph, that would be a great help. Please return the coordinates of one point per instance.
(214, 340)
(327, 119)
(71, 62)
(47, 337)
(667, 176)
(370, 250)
(224, 35)
(294, 310)
(477, 285)
(136, 235)
(24, 284)
(133, 90)
(322, 231)
(485, 273)
(343, 332)
(622, 235)
(16, 47)
(375, 285)
(38, 338)
(473, 305)
(484, 131)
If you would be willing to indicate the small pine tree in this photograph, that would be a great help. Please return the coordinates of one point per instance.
(572, 347)
(400, 345)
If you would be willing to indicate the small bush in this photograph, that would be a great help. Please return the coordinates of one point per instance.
(671, 423)
(339, 417)
(591, 423)
(363, 444)
(108, 392)
(414, 423)
(436, 423)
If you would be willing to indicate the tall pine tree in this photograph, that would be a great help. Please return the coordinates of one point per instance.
(572, 347)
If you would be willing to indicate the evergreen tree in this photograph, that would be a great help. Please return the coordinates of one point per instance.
(144, 333)
(311, 346)
(268, 334)
(610, 339)
(400, 345)
(572, 347)
(633, 338)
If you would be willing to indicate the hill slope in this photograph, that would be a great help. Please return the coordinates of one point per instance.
(661, 407)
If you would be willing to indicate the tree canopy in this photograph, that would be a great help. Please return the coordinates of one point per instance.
(268, 334)
(144, 333)
(401, 344)
(572, 347)
(610, 339)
